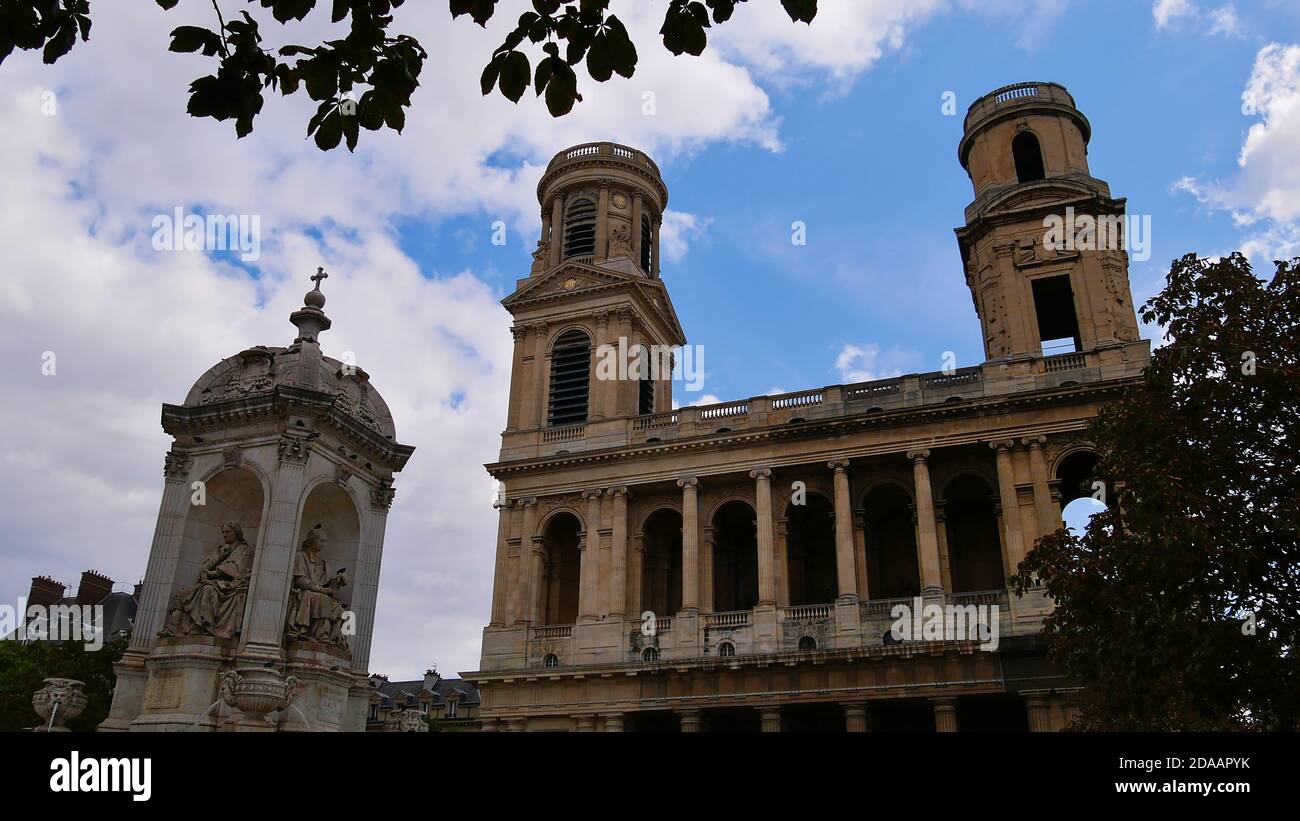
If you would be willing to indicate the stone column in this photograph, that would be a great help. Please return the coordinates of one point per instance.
(945, 714)
(165, 550)
(589, 585)
(365, 591)
(690, 545)
(782, 563)
(613, 722)
(599, 390)
(618, 554)
(268, 594)
(499, 597)
(928, 541)
(534, 411)
(530, 555)
(623, 389)
(636, 228)
(585, 723)
(602, 222)
(1049, 515)
(770, 717)
(636, 573)
(654, 245)
(766, 547)
(690, 720)
(1015, 549)
(1040, 719)
(855, 717)
(845, 571)
(557, 229)
(517, 376)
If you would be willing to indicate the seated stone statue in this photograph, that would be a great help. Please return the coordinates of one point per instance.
(315, 612)
(214, 605)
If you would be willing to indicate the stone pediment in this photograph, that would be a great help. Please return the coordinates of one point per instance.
(1052, 193)
(575, 278)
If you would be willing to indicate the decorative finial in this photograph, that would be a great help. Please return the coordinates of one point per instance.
(320, 275)
(310, 319)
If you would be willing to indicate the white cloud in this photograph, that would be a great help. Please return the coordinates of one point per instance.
(866, 363)
(1166, 11)
(1264, 195)
(133, 328)
(1169, 14)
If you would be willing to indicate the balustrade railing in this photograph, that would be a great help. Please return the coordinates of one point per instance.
(1064, 362)
(732, 618)
(808, 612)
(567, 433)
(553, 631)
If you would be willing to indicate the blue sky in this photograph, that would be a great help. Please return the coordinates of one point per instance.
(873, 172)
(838, 125)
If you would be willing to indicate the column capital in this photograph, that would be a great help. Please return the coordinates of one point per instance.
(919, 455)
(619, 490)
(761, 473)
(1034, 442)
(526, 501)
(592, 493)
(688, 481)
(1002, 444)
(838, 465)
(602, 318)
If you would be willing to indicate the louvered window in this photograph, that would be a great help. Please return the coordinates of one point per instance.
(570, 374)
(580, 229)
(647, 397)
(646, 249)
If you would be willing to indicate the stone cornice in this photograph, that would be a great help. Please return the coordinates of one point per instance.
(280, 403)
(838, 426)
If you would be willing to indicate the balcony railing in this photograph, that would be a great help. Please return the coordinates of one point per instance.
(1064, 362)
(554, 631)
(732, 618)
(567, 433)
(808, 612)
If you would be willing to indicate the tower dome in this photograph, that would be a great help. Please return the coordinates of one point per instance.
(602, 204)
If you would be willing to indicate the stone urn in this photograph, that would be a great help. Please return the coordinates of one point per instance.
(256, 692)
(59, 701)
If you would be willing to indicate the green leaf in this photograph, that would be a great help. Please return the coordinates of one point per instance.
(514, 75)
(187, 39)
(800, 11)
(330, 132)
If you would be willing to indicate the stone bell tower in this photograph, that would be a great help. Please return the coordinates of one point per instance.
(594, 282)
(259, 596)
(1025, 148)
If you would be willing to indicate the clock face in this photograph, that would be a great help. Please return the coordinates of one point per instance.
(620, 199)
(570, 284)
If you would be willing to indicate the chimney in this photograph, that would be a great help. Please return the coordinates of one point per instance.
(94, 588)
(431, 679)
(138, 591)
(45, 591)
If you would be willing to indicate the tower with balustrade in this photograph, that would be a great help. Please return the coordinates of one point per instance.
(738, 566)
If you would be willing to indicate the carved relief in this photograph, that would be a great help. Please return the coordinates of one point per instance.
(294, 449)
(176, 464)
(381, 495)
(252, 376)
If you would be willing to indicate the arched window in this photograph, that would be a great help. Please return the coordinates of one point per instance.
(735, 557)
(974, 548)
(661, 564)
(580, 229)
(551, 660)
(1028, 156)
(570, 375)
(650, 654)
(810, 556)
(561, 571)
(892, 570)
(807, 644)
(647, 249)
(726, 650)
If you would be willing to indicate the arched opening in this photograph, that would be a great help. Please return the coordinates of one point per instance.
(570, 378)
(580, 229)
(328, 545)
(650, 654)
(551, 660)
(562, 573)
(807, 644)
(210, 582)
(735, 558)
(892, 571)
(1028, 155)
(661, 567)
(726, 650)
(1082, 495)
(974, 551)
(811, 551)
(647, 248)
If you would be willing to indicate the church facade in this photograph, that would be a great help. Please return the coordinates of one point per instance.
(746, 565)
